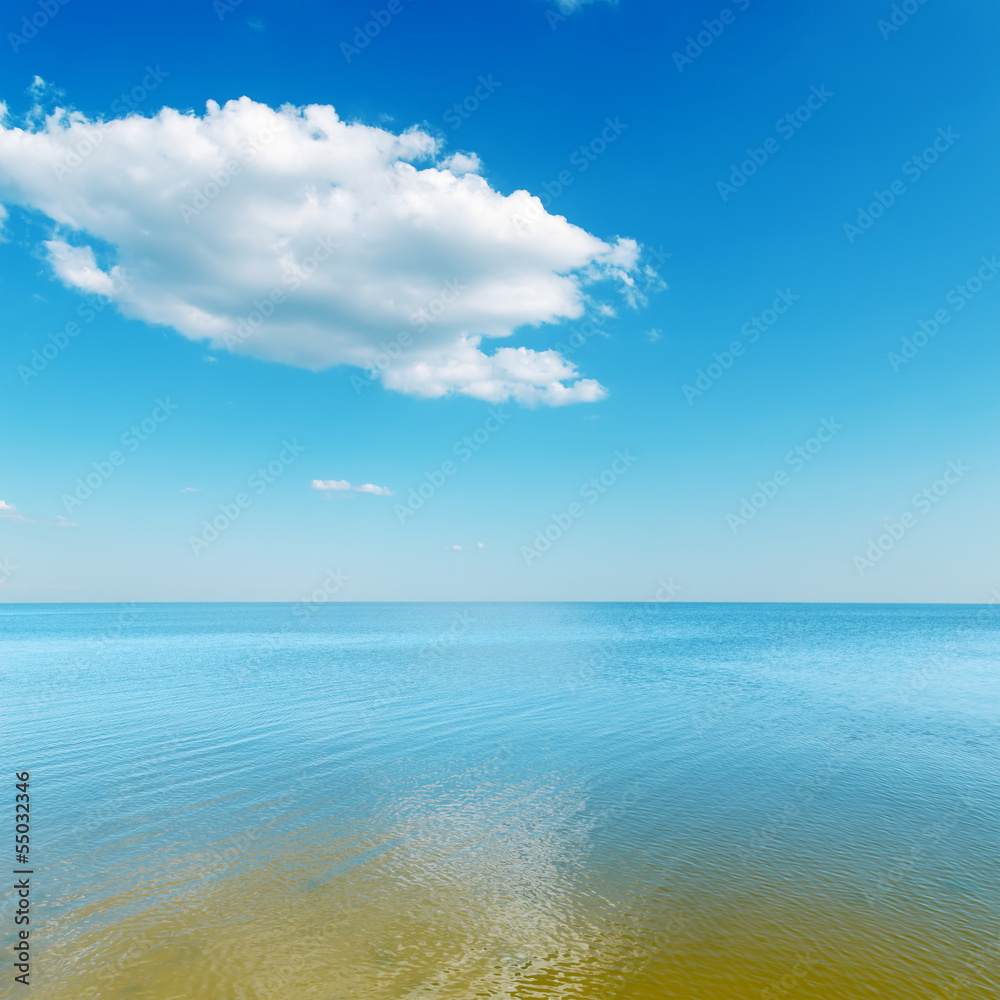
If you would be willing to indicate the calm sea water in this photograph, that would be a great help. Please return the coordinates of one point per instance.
(239, 802)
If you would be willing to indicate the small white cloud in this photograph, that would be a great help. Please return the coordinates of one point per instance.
(190, 489)
(330, 484)
(61, 522)
(654, 335)
(10, 513)
(479, 545)
(340, 485)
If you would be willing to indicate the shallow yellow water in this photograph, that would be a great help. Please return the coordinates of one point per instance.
(571, 802)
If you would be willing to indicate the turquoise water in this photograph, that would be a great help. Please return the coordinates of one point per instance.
(511, 800)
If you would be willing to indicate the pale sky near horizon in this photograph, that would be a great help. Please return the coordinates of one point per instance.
(499, 301)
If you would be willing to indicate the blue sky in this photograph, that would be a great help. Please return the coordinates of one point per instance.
(810, 186)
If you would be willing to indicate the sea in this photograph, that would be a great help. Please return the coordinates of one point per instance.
(543, 800)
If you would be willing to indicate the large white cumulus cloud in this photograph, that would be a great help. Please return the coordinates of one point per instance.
(293, 236)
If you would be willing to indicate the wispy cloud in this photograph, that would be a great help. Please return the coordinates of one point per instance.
(190, 489)
(329, 484)
(341, 485)
(464, 548)
(10, 513)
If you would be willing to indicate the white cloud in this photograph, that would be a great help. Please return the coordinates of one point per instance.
(190, 489)
(9, 511)
(296, 237)
(329, 484)
(340, 485)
